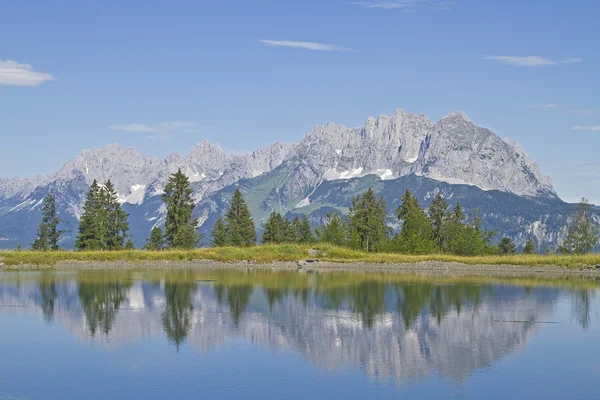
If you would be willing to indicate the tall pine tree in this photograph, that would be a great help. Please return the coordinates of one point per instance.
(417, 235)
(48, 233)
(91, 232)
(273, 232)
(180, 226)
(240, 228)
(115, 218)
(366, 220)
(304, 230)
(438, 217)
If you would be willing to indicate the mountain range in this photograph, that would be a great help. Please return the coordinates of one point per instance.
(318, 174)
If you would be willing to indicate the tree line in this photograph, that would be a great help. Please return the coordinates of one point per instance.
(440, 228)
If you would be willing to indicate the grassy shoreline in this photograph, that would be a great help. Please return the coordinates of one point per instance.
(287, 253)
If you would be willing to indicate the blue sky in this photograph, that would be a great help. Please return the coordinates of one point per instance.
(163, 75)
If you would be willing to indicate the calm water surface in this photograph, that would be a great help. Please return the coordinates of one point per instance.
(267, 335)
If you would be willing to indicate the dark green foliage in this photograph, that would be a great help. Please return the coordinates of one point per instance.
(219, 234)
(273, 232)
(438, 217)
(129, 245)
(48, 234)
(366, 221)
(91, 233)
(156, 241)
(417, 234)
(238, 297)
(101, 302)
(582, 232)
(464, 239)
(458, 214)
(288, 231)
(304, 231)
(177, 317)
(48, 294)
(116, 224)
(529, 247)
(507, 246)
(180, 226)
(335, 231)
(239, 227)
(103, 224)
(18, 248)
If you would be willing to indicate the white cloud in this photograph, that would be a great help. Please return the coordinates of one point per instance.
(404, 5)
(13, 73)
(163, 130)
(304, 45)
(387, 5)
(132, 128)
(592, 128)
(541, 106)
(531, 61)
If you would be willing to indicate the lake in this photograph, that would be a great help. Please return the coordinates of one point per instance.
(225, 334)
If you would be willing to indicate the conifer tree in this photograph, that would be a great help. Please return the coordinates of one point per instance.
(458, 214)
(529, 247)
(180, 226)
(304, 231)
(438, 217)
(129, 245)
(115, 218)
(288, 231)
(219, 234)
(366, 221)
(417, 235)
(507, 246)
(273, 233)
(240, 227)
(48, 233)
(156, 241)
(92, 230)
(582, 231)
(335, 231)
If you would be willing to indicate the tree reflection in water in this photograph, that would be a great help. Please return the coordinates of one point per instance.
(100, 300)
(177, 317)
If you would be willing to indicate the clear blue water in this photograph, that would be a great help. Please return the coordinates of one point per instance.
(226, 335)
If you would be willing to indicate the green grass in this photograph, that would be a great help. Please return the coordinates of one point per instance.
(268, 254)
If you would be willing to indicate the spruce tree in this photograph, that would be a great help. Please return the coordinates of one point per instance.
(180, 226)
(507, 246)
(240, 228)
(529, 247)
(288, 231)
(366, 220)
(156, 241)
(48, 233)
(417, 234)
(335, 231)
(582, 231)
(92, 230)
(458, 214)
(273, 233)
(219, 235)
(115, 218)
(129, 245)
(304, 230)
(438, 217)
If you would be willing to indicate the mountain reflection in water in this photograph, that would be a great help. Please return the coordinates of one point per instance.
(390, 326)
